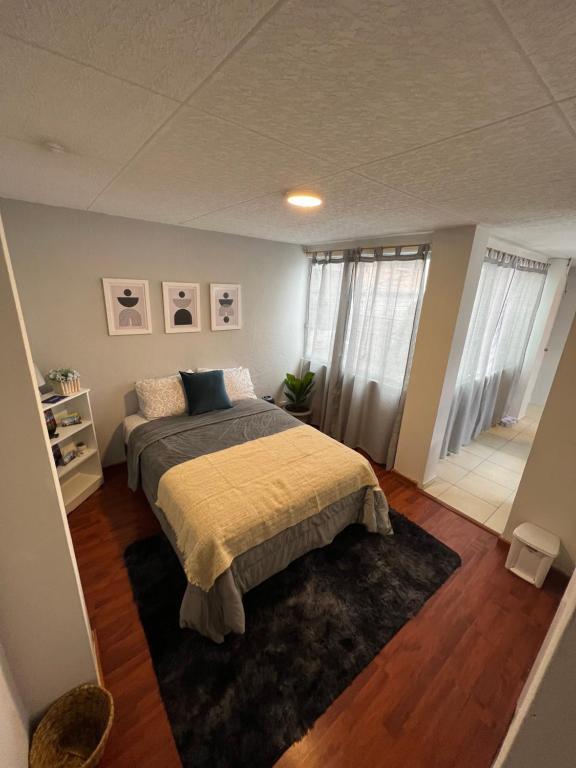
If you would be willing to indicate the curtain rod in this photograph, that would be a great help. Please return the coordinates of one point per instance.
(372, 254)
(516, 249)
(391, 246)
(512, 260)
(382, 241)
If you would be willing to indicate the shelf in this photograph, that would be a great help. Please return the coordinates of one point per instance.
(65, 433)
(79, 487)
(67, 398)
(63, 471)
(83, 474)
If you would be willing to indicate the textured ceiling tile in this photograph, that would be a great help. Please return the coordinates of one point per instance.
(518, 170)
(569, 109)
(44, 97)
(199, 163)
(353, 207)
(29, 172)
(347, 80)
(356, 81)
(546, 29)
(167, 45)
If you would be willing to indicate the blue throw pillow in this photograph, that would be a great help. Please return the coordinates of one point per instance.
(205, 391)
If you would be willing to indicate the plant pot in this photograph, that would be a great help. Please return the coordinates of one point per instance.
(66, 387)
(303, 416)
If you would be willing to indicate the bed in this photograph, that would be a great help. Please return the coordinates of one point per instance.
(240, 493)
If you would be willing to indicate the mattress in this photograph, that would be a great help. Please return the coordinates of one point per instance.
(130, 423)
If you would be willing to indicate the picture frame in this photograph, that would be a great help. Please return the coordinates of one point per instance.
(127, 306)
(225, 306)
(181, 307)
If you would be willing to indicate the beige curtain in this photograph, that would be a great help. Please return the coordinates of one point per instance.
(363, 306)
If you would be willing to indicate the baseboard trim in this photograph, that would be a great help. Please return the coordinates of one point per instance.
(99, 673)
(404, 479)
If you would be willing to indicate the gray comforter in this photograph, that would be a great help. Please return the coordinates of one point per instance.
(158, 445)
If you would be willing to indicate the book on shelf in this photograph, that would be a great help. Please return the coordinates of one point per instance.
(56, 454)
(51, 424)
(53, 399)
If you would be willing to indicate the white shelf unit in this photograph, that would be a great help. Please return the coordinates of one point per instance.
(83, 475)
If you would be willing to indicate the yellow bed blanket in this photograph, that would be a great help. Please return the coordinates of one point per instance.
(222, 504)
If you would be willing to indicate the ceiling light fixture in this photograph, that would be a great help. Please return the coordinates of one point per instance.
(304, 199)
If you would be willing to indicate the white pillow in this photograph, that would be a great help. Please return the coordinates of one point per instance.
(162, 396)
(237, 382)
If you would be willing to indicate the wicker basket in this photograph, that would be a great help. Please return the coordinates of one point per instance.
(66, 387)
(74, 731)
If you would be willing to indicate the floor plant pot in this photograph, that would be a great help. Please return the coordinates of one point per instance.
(303, 416)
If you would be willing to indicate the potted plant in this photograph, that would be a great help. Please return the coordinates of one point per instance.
(65, 381)
(298, 392)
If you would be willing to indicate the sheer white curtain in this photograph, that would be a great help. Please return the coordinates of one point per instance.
(324, 286)
(503, 315)
(362, 313)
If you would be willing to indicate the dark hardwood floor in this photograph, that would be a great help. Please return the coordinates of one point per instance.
(440, 694)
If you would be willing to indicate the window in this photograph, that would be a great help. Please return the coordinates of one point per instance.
(323, 300)
(379, 317)
(382, 315)
(362, 311)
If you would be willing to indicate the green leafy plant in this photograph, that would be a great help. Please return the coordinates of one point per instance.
(298, 391)
(62, 374)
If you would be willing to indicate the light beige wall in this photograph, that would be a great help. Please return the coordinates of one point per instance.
(557, 340)
(59, 258)
(13, 720)
(547, 492)
(455, 266)
(43, 625)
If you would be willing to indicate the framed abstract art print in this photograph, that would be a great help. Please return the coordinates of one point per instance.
(127, 306)
(225, 306)
(181, 307)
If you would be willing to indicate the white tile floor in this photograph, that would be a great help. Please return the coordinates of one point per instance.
(481, 480)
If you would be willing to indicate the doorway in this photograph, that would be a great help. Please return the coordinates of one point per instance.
(491, 429)
(481, 480)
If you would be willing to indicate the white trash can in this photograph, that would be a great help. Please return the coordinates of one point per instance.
(532, 552)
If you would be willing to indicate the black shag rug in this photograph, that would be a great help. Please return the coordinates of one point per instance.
(310, 630)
